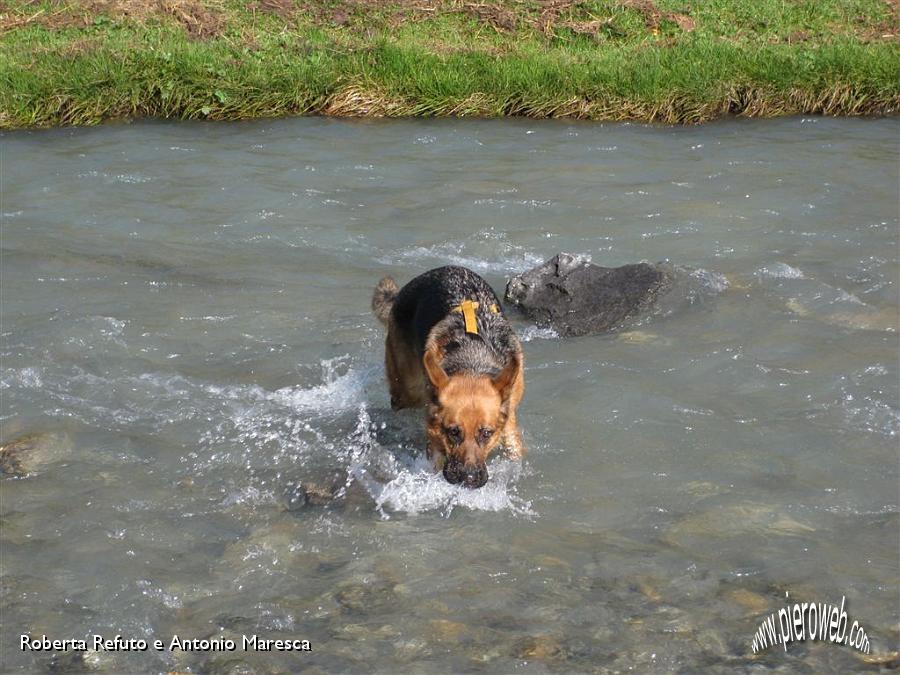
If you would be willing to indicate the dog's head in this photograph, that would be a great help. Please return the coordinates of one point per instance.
(466, 417)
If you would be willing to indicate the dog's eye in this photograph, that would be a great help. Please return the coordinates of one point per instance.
(453, 433)
(484, 435)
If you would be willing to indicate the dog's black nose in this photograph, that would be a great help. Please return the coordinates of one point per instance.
(475, 476)
(469, 475)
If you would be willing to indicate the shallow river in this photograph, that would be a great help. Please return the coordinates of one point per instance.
(187, 336)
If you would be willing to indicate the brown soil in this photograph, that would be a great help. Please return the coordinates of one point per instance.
(654, 17)
(285, 9)
(200, 21)
(496, 16)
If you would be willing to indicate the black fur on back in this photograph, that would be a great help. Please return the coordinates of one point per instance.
(425, 305)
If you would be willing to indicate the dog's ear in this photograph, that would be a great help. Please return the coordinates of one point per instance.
(504, 381)
(432, 363)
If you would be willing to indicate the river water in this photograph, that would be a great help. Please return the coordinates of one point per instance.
(186, 336)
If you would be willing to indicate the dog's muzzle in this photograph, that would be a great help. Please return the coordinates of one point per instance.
(470, 475)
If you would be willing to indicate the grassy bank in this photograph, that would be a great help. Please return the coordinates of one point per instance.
(85, 61)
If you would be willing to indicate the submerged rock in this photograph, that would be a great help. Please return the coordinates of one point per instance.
(639, 337)
(749, 600)
(229, 665)
(335, 489)
(723, 522)
(540, 647)
(67, 662)
(445, 631)
(576, 297)
(299, 496)
(28, 454)
(365, 598)
(280, 542)
(887, 660)
(411, 649)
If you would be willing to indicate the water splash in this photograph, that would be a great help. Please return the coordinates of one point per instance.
(417, 488)
(270, 430)
(400, 482)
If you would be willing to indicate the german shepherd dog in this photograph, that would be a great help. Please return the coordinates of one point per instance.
(450, 347)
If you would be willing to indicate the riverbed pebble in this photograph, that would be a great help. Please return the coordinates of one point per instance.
(749, 600)
(30, 453)
(444, 630)
(373, 596)
(540, 647)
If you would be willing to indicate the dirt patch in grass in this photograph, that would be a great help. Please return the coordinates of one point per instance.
(199, 20)
(798, 36)
(889, 29)
(550, 13)
(654, 16)
(284, 9)
(590, 28)
(494, 15)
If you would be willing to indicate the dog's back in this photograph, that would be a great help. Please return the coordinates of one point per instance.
(434, 298)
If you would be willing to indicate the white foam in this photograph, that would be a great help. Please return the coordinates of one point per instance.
(666, 231)
(495, 254)
(132, 178)
(780, 271)
(159, 594)
(449, 253)
(336, 392)
(844, 296)
(248, 495)
(713, 281)
(864, 406)
(576, 259)
(28, 378)
(213, 319)
(417, 488)
(530, 333)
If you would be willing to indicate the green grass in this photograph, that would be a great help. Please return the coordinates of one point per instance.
(679, 62)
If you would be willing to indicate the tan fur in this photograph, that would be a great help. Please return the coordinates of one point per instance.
(383, 298)
(405, 373)
(473, 402)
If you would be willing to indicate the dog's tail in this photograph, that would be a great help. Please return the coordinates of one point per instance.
(383, 299)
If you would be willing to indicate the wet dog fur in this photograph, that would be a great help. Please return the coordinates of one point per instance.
(470, 383)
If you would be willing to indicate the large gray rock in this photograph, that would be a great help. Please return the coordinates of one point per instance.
(576, 297)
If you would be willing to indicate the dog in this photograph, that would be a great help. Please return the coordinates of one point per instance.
(450, 347)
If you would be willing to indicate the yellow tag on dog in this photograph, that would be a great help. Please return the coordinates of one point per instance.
(467, 307)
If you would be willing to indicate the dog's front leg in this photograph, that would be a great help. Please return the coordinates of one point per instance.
(433, 446)
(512, 439)
(435, 454)
(434, 449)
